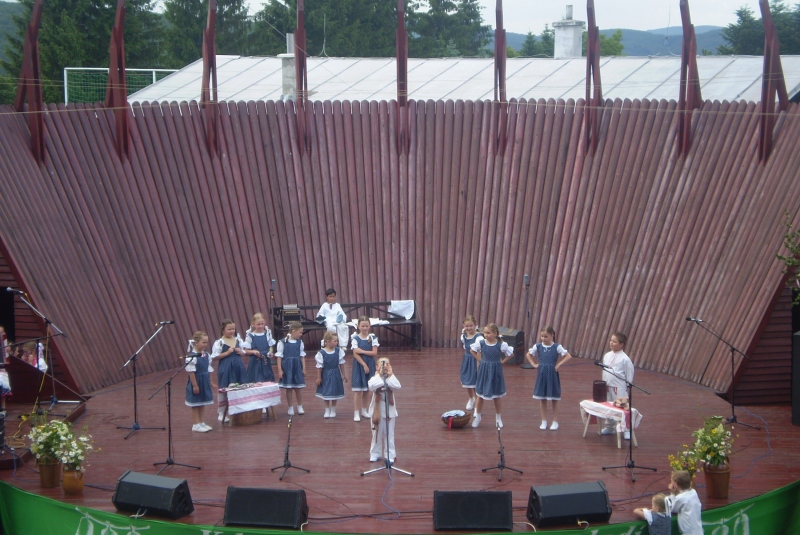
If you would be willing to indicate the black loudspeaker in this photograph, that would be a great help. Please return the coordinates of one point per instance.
(559, 505)
(472, 510)
(266, 507)
(516, 340)
(157, 495)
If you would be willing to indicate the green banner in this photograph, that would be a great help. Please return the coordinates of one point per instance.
(23, 513)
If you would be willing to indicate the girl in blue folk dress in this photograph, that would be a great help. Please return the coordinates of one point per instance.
(258, 344)
(292, 366)
(548, 384)
(365, 350)
(198, 388)
(469, 368)
(228, 349)
(330, 373)
(490, 383)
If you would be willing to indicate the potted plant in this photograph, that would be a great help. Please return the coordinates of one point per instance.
(713, 447)
(46, 438)
(72, 455)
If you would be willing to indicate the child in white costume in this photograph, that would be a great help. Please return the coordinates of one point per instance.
(378, 407)
(334, 318)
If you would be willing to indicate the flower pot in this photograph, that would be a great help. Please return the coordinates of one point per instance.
(718, 480)
(49, 473)
(72, 482)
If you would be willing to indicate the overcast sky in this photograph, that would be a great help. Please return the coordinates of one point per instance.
(521, 16)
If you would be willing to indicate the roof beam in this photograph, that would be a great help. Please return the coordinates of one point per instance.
(117, 85)
(594, 88)
(29, 85)
(772, 82)
(208, 89)
(690, 97)
(301, 74)
(500, 99)
(401, 40)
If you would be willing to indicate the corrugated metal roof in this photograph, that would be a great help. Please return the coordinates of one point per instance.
(259, 78)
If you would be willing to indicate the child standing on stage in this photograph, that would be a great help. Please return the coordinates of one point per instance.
(378, 406)
(258, 344)
(490, 383)
(658, 520)
(292, 366)
(469, 367)
(228, 349)
(548, 383)
(198, 388)
(618, 362)
(330, 373)
(365, 349)
(334, 318)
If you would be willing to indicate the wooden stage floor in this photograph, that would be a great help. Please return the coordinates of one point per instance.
(336, 450)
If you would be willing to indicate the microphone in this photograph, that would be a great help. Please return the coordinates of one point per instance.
(598, 363)
(696, 320)
(526, 280)
(13, 291)
(272, 285)
(167, 322)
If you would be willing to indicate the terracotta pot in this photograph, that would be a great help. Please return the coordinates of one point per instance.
(718, 480)
(49, 473)
(72, 482)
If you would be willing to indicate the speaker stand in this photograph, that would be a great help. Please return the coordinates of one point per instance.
(502, 464)
(286, 462)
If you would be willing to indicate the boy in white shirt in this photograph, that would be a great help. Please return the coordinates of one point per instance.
(685, 503)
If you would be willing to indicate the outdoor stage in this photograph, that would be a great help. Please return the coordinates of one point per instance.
(336, 450)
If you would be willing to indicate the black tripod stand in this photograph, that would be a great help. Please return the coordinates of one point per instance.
(286, 462)
(631, 464)
(168, 384)
(733, 351)
(388, 464)
(135, 427)
(502, 464)
(526, 318)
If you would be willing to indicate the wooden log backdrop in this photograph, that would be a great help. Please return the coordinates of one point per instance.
(632, 237)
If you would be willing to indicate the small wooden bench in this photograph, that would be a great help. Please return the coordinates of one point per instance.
(354, 311)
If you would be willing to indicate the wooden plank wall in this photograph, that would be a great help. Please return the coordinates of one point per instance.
(633, 237)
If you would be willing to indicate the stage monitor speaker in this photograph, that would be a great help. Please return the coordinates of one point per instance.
(464, 510)
(266, 507)
(561, 505)
(516, 340)
(153, 495)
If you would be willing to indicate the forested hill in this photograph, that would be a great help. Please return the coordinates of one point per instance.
(7, 9)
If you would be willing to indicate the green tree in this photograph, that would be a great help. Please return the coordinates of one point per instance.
(746, 36)
(547, 42)
(76, 33)
(609, 46)
(446, 24)
(511, 53)
(530, 47)
(186, 20)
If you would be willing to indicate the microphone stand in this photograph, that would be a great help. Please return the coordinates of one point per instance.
(48, 360)
(631, 464)
(733, 351)
(502, 464)
(286, 462)
(526, 319)
(135, 427)
(388, 464)
(168, 384)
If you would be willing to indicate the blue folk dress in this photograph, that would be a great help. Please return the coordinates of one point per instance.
(469, 366)
(360, 379)
(548, 384)
(490, 383)
(332, 387)
(259, 369)
(206, 396)
(291, 352)
(231, 368)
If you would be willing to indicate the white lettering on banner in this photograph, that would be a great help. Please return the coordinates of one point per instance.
(738, 524)
(88, 523)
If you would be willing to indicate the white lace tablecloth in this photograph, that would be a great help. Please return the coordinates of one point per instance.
(258, 396)
(608, 410)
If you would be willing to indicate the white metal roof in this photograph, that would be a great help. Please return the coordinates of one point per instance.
(259, 78)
